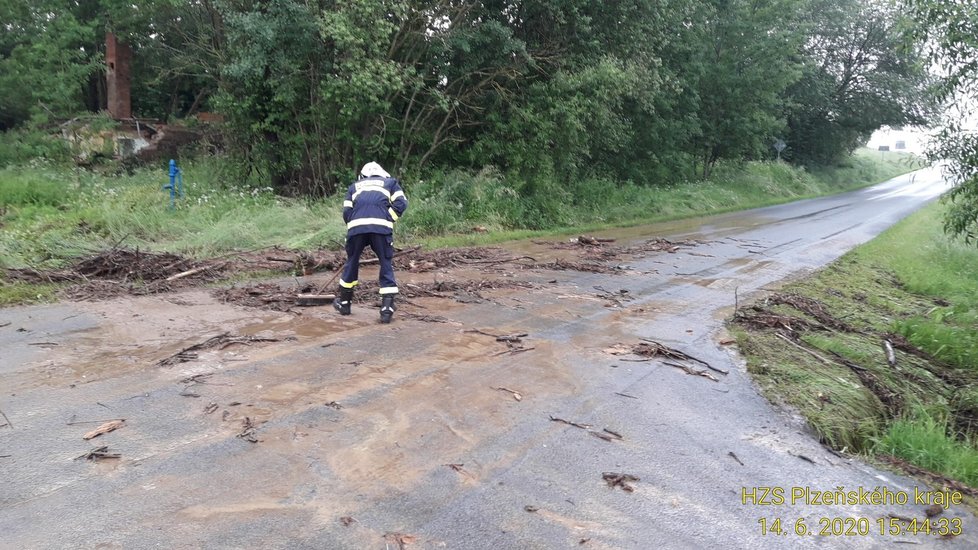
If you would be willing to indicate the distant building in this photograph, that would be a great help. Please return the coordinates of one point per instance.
(911, 140)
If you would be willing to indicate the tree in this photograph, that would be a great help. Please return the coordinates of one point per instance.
(748, 58)
(48, 52)
(950, 29)
(857, 77)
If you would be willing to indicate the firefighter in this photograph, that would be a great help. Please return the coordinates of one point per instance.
(373, 203)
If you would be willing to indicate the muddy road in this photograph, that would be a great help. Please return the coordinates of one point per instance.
(503, 408)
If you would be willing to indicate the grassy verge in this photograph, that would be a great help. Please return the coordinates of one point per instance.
(51, 214)
(465, 209)
(819, 346)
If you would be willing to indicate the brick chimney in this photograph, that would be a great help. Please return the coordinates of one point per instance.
(118, 73)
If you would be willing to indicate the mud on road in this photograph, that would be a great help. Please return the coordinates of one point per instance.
(538, 395)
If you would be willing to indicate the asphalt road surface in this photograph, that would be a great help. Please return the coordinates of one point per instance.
(399, 436)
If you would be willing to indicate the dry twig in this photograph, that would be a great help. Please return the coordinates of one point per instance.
(615, 479)
(104, 429)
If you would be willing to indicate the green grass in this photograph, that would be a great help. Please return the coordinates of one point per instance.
(52, 215)
(911, 282)
(938, 268)
(14, 293)
(922, 439)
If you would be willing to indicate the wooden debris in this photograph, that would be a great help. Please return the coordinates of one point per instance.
(201, 379)
(607, 435)
(347, 521)
(651, 348)
(221, 341)
(6, 421)
(248, 431)
(400, 539)
(104, 429)
(603, 436)
(804, 349)
(333, 405)
(890, 354)
(569, 423)
(425, 318)
(308, 300)
(806, 459)
(620, 480)
(456, 467)
(397, 254)
(210, 408)
(733, 456)
(516, 395)
(498, 261)
(512, 351)
(73, 422)
(193, 271)
(626, 395)
(691, 371)
(98, 454)
(514, 338)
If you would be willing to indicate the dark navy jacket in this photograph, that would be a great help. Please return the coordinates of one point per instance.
(372, 205)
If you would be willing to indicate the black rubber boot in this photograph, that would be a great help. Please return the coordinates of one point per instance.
(342, 304)
(387, 308)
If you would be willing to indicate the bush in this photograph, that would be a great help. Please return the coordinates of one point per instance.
(33, 187)
(28, 146)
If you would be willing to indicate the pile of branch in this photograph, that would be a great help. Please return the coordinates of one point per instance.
(758, 317)
(585, 267)
(481, 257)
(117, 271)
(660, 245)
(444, 289)
(812, 308)
(653, 349)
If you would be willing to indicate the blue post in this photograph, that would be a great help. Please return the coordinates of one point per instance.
(176, 183)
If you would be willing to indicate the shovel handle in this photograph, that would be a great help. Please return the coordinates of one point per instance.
(330, 281)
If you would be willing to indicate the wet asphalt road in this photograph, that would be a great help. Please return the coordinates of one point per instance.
(362, 421)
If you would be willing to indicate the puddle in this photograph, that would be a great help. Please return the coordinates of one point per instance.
(305, 327)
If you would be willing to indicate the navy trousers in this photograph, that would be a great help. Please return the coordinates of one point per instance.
(383, 247)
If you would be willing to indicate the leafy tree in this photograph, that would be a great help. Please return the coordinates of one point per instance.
(48, 52)
(857, 77)
(950, 29)
(747, 59)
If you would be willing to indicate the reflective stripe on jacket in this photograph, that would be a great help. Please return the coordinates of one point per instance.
(372, 205)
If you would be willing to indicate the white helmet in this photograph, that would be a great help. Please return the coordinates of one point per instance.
(373, 169)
